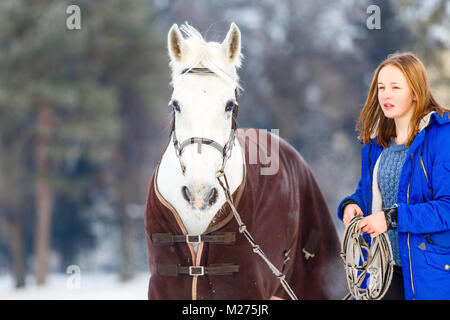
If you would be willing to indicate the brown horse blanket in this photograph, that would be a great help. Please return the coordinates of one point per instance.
(287, 216)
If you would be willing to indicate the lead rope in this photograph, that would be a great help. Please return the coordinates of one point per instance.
(243, 229)
(361, 260)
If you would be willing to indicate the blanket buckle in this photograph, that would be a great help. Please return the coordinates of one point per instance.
(193, 239)
(196, 271)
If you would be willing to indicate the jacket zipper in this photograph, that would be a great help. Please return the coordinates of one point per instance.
(426, 176)
(409, 246)
(427, 236)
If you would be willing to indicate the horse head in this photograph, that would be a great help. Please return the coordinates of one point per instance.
(204, 107)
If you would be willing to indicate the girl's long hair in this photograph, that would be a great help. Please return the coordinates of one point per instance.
(372, 122)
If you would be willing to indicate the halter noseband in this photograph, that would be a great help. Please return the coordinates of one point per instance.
(224, 150)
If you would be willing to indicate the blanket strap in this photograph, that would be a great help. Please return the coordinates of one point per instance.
(173, 270)
(311, 244)
(168, 239)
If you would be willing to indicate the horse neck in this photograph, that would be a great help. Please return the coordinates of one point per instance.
(170, 179)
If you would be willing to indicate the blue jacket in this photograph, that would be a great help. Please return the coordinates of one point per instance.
(423, 207)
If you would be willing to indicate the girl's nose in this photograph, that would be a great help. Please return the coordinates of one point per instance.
(386, 94)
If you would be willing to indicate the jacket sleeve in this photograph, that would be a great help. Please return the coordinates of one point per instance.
(354, 198)
(434, 215)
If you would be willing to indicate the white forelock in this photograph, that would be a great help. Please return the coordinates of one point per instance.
(202, 54)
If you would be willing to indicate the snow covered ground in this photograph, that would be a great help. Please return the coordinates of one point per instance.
(87, 287)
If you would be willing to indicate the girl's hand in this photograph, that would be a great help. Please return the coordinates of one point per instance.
(350, 211)
(375, 224)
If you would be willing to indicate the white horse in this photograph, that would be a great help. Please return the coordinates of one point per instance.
(202, 104)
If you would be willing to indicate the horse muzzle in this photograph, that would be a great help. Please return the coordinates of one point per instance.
(201, 197)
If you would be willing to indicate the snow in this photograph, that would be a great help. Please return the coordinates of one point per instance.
(95, 286)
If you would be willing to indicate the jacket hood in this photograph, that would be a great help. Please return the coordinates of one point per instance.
(434, 118)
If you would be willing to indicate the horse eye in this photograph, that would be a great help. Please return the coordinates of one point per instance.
(175, 105)
(229, 106)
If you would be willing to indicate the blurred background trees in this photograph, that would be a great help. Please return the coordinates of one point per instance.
(77, 114)
(83, 113)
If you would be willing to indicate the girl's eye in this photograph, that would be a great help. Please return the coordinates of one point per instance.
(175, 105)
(229, 106)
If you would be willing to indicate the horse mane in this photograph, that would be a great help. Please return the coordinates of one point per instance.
(202, 54)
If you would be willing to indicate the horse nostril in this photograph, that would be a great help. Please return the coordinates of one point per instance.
(212, 196)
(208, 199)
(185, 193)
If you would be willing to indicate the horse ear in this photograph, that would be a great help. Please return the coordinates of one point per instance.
(175, 43)
(232, 45)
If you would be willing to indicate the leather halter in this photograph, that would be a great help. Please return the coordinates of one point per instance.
(224, 150)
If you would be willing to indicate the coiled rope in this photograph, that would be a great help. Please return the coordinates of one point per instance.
(368, 269)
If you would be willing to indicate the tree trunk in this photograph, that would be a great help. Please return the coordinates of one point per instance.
(43, 193)
(18, 252)
(128, 268)
(128, 263)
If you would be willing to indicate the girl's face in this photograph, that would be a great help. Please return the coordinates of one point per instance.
(394, 95)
